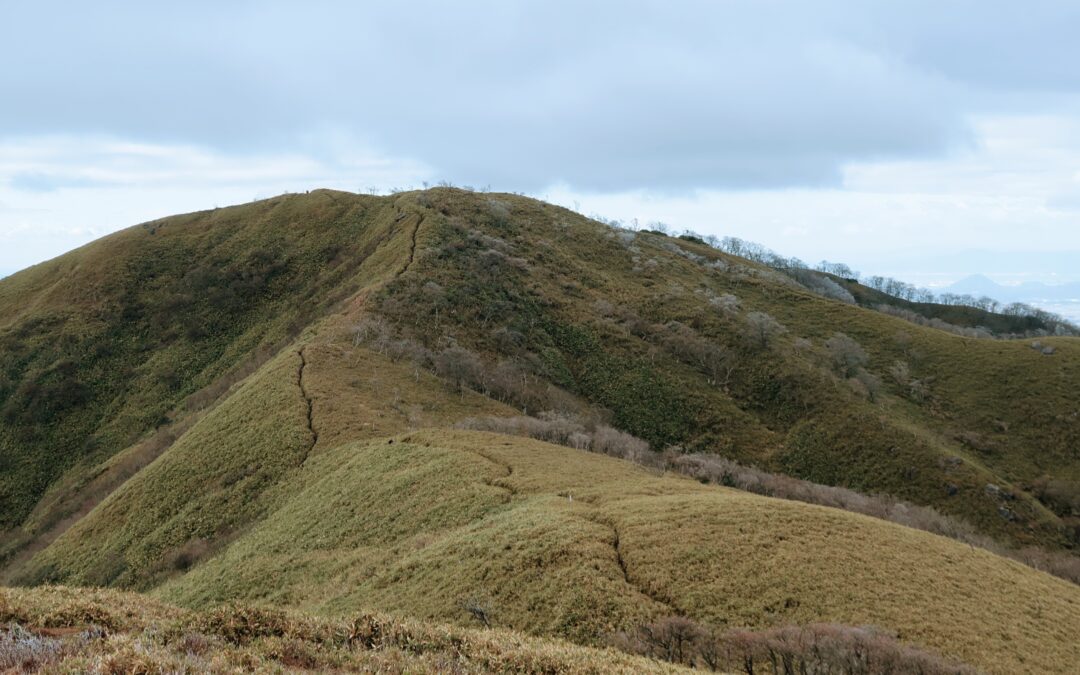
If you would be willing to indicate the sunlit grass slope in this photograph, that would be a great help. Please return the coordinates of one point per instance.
(59, 629)
(560, 542)
(240, 459)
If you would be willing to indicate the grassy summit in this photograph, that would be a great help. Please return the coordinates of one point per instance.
(258, 404)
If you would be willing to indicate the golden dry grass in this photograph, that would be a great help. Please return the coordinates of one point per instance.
(435, 518)
(59, 630)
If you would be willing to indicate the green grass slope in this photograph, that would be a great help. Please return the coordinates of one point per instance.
(672, 339)
(103, 345)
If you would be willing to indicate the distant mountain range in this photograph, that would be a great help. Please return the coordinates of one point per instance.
(1029, 291)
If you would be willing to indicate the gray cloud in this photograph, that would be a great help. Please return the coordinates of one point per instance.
(602, 96)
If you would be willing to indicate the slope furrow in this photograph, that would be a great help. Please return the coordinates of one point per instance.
(310, 406)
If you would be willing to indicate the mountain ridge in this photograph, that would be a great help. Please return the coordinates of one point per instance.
(978, 284)
(312, 374)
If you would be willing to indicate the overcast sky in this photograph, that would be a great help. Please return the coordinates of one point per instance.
(921, 139)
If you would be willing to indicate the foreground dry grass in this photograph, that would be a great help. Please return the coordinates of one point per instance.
(60, 629)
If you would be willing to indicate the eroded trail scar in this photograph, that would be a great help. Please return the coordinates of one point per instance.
(499, 482)
(626, 573)
(310, 406)
(412, 246)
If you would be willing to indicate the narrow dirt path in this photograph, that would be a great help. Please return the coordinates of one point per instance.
(499, 482)
(615, 541)
(310, 405)
(412, 246)
(648, 593)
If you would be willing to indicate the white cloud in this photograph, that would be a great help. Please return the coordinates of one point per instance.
(997, 196)
(59, 192)
(840, 129)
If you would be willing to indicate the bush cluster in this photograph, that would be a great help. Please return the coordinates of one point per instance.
(919, 319)
(814, 649)
(562, 430)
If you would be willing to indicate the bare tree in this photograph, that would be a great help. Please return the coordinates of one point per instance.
(762, 329)
(847, 355)
(458, 365)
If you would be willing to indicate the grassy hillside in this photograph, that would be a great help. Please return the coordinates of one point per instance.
(666, 338)
(682, 345)
(552, 541)
(103, 345)
(321, 347)
(232, 466)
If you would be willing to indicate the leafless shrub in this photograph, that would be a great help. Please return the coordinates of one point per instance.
(371, 329)
(762, 329)
(625, 237)
(1063, 496)
(671, 638)
(570, 432)
(787, 650)
(917, 390)
(801, 344)
(460, 366)
(194, 643)
(510, 380)
(499, 210)
(727, 303)
(497, 243)
(847, 355)
(495, 262)
(507, 340)
(865, 384)
(562, 430)
(611, 441)
(1058, 563)
(820, 284)
(604, 308)
(723, 471)
(916, 318)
